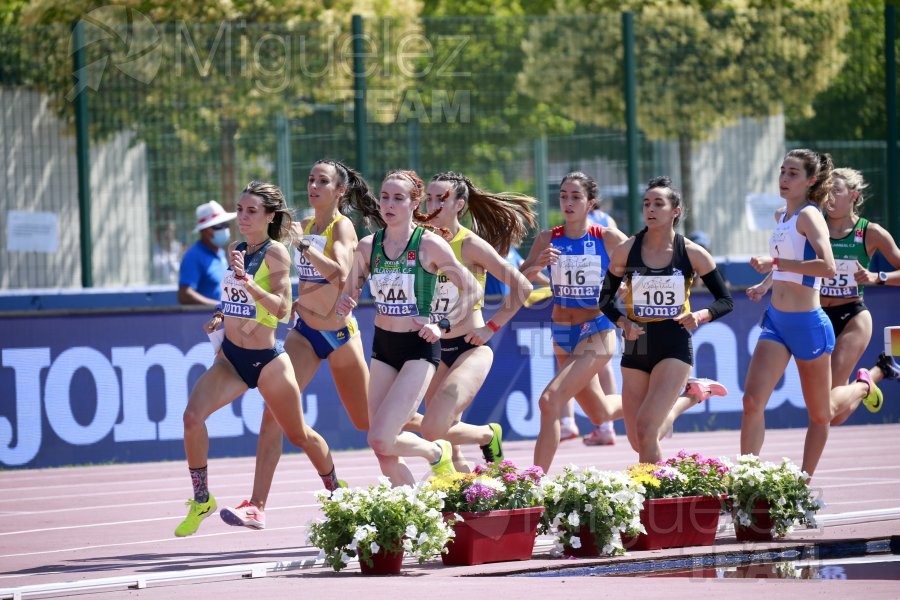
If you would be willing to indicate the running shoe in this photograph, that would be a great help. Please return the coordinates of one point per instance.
(493, 450)
(874, 399)
(197, 511)
(444, 465)
(244, 515)
(889, 367)
(600, 437)
(568, 432)
(703, 388)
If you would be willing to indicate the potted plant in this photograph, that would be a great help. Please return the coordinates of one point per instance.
(683, 498)
(587, 510)
(769, 498)
(378, 524)
(494, 511)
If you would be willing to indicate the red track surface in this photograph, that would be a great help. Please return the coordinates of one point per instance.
(90, 523)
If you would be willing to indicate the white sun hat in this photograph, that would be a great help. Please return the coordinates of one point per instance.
(210, 214)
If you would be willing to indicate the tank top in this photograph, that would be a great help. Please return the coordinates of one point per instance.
(787, 242)
(236, 300)
(578, 275)
(847, 250)
(658, 294)
(446, 295)
(306, 271)
(401, 287)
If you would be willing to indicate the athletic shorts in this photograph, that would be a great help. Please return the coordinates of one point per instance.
(841, 314)
(249, 363)
(569, 336)
(326, 342)
(453, 348)
(661, 340)
(806, 335)
(395, 348)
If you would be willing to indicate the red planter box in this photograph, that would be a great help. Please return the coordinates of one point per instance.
(383, 563)
(760, 528)
(677, 522)
(493, 536)
(588, 547)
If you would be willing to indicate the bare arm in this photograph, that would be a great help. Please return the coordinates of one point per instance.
(540, 256)
(477, 251)
(881, 240)
(356, 278)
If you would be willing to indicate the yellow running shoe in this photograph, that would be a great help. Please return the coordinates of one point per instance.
(874, 399)
(197, 511)
(493, 450)
(444, 465)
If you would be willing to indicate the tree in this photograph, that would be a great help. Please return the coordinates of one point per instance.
(701, 64)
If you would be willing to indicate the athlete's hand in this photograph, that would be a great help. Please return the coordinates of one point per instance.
(690, 321)
(756, 292)
(345, 305)
(213, 323)
(863, 276)
(762, 264)
(631, 330)
(548, 256)
(480, 336)
(430, 332)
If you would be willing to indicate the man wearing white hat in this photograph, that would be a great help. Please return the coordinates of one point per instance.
(203, 265)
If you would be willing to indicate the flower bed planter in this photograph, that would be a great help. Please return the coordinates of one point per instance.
(383, 563)
(760, 527)
(588, 548)
(493, 536)
(677, 522)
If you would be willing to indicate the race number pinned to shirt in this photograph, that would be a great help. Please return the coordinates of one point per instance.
(445, 297)
(657, 296)
(394, 293)
(578, 276)
(842, 285)
(306, 271)
(236, 300)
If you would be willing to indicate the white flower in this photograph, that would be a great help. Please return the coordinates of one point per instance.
(407, 545)
(411, 531)
(573, 519)
(588, 507)
(575, 542)
(374, 547)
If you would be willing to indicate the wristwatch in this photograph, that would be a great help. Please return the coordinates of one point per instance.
(302, 245)
(882, 278)
(444, 325)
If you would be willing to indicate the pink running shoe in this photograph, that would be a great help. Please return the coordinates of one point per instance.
(704, 388)
(244, 515)
(600, 437)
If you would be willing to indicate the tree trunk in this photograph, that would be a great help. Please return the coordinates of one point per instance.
(229, 163)
(685, 158)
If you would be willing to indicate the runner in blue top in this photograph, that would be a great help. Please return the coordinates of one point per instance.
(794, 324)
(403, 260)
(577, 253)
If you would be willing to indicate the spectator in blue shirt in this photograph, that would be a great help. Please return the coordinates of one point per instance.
(203, 265)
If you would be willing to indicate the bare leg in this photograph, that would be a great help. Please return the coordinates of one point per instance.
(767, 365)
(815, 379)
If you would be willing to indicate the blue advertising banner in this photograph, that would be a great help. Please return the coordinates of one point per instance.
(88, 388)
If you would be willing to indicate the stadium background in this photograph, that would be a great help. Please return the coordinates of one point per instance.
(114, 129)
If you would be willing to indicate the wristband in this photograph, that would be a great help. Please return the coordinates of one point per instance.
(494, 327)
(242, 277)
(775, 264)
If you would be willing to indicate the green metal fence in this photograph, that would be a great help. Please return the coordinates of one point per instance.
(181, 113)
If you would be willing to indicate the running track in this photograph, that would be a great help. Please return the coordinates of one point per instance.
(100, 522)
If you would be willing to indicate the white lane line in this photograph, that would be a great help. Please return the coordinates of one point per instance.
(238, 531)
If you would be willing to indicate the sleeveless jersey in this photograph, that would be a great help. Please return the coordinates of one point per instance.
(236, 300)
(847, 250)
(658, 294)
(306, 271)
(787, 242)
(578, 275)
(401, 287)
(446, 295)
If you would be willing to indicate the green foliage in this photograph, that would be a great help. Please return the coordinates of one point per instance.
(495, 486)
(361, 521)
(607, 503)
(784, 486)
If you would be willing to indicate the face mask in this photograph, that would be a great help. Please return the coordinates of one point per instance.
(220, 237)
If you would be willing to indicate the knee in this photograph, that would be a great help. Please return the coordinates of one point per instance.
(432, 431)
(548, 404)
(645, 434)
(192, 419)
(380, 444)
(821, 415)
(301, 438)
(753, 404)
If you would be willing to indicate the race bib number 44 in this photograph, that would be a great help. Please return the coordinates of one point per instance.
(394, 294)
(657, 296)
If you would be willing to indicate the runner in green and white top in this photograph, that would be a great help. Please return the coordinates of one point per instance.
(403, 260)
